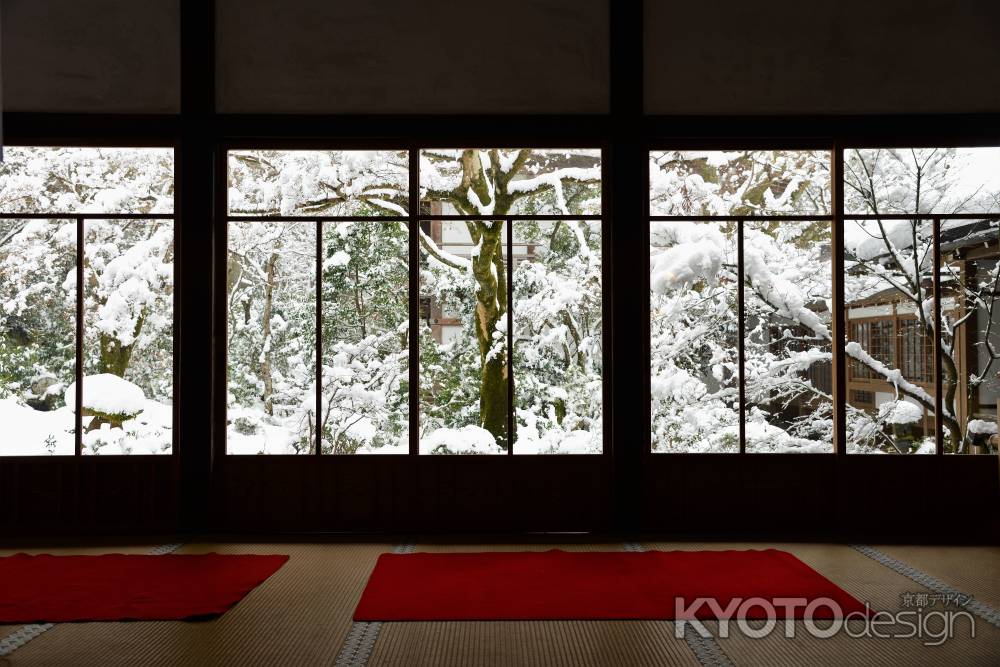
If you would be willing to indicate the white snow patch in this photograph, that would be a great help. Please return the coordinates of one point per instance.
(465, 440)
(901, 412)
(29, 432)
(982, 427)
(339, 258)
(681, 266)
(109, 394)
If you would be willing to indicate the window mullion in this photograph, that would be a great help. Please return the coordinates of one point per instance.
(78, 394)
(319, 337)
(938, 398)
(741, 335)
(414, 300)
(838, 314)
(510, 336)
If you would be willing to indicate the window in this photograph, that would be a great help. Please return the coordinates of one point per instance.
(909, 211)
(694, 332)
(271, 338)
(863, 397)
(86, 301)
(323, 248)
(511, 361)
(787, 346)
(876, 336)
(317, 336)
(365, 338)
(557, 346)
(751, 370)
(886, 332)
(916, 351)
(740, 284)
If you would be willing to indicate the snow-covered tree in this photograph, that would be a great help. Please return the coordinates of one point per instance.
(271, 337)
(894, 259)
(365, 338)
(787, 292)
(272, 303)
(128, 293)
(365, 273)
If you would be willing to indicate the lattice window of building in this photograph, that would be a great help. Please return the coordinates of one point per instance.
(917, 352)
(875, 336)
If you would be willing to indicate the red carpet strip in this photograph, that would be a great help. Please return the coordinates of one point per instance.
(559, 585)
(117, 587)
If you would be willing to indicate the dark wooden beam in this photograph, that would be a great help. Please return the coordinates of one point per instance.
(195, 238)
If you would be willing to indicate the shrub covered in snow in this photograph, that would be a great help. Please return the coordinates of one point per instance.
(128, 295)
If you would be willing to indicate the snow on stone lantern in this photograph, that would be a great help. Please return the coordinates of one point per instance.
(980, 431)
(109, 399)
(902, 416)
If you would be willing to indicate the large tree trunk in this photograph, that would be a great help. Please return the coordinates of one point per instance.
(115, 357)
(483, 191)
(490, 271)
(265, 357)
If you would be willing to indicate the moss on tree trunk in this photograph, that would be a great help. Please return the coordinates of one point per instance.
(265, 357)
(115, 357)
(490, 272)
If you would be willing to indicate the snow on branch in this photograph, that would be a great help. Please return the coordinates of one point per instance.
(554, 179)
(783, 295)
(387, 205)
(799, 362)
(446, 258)
(484, 209)
(686, 253)
(683, 265)
(892, 375)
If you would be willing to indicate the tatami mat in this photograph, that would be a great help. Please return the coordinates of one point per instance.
(444, 547)
(971, 569)
(529, 642)
(870, 582)
(301, 615)
(557, 643)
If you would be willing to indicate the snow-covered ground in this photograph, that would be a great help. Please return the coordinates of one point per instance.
(30, 432)
(282, 438)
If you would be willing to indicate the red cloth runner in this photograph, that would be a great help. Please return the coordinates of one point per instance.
(117, 587)
(560, 585)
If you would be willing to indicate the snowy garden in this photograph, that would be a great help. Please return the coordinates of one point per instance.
(463, 371)
(127, 393)
(502, 305)
(787, 285)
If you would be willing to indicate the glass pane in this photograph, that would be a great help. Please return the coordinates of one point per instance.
(325, 183)
(463, 338)
(922, 180)
(888, 291)
(970, 286)
(271, 329)
(557, 337)
(788, 354)
(128, 337)
(490, 181)
(693, 337)
(37, 336)
(88, 180)
(739, 182)
(365, 338)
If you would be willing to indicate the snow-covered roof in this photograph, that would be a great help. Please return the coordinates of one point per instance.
(954, 234)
